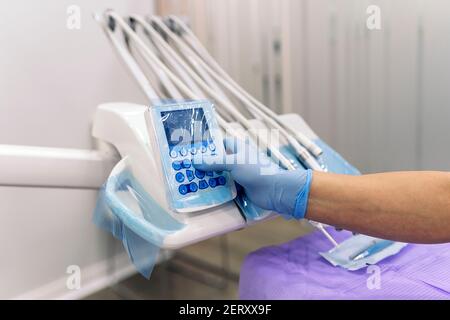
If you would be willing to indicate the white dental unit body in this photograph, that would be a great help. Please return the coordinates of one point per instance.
(130, 129)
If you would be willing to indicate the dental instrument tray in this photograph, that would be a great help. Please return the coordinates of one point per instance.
(185, 130)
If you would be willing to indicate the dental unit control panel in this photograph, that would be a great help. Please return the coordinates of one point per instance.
(184, 131)
(157, 144)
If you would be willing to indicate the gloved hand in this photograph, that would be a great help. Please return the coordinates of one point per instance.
(265, 183)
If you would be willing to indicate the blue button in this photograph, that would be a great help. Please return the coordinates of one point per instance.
(212, 147)
(176, 165)
(199, 174)
(183, 152)
(203, 149)
(202, 184)
(190, 175)
(183, 189)
(186, 163)
(212, 182)
(173, 154)
(210, 173)
(221, 180)
(193, 151)
(179, 177)
(193, 187)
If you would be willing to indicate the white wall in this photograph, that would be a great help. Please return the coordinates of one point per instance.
(51, 80)
(381, 98)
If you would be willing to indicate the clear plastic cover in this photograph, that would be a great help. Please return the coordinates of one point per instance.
(359, 251)
(134, 217)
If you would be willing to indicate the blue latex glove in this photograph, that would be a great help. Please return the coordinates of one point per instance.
(265, 183)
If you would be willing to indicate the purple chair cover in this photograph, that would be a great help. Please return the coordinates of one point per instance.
(296, 271)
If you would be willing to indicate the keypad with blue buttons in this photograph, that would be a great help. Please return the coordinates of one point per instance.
(189, 179)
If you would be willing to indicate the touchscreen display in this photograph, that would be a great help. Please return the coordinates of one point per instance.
(185, 127)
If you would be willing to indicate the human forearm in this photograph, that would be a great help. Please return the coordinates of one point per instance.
(404, 206)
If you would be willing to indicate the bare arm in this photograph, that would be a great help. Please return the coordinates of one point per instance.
(402, 206)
